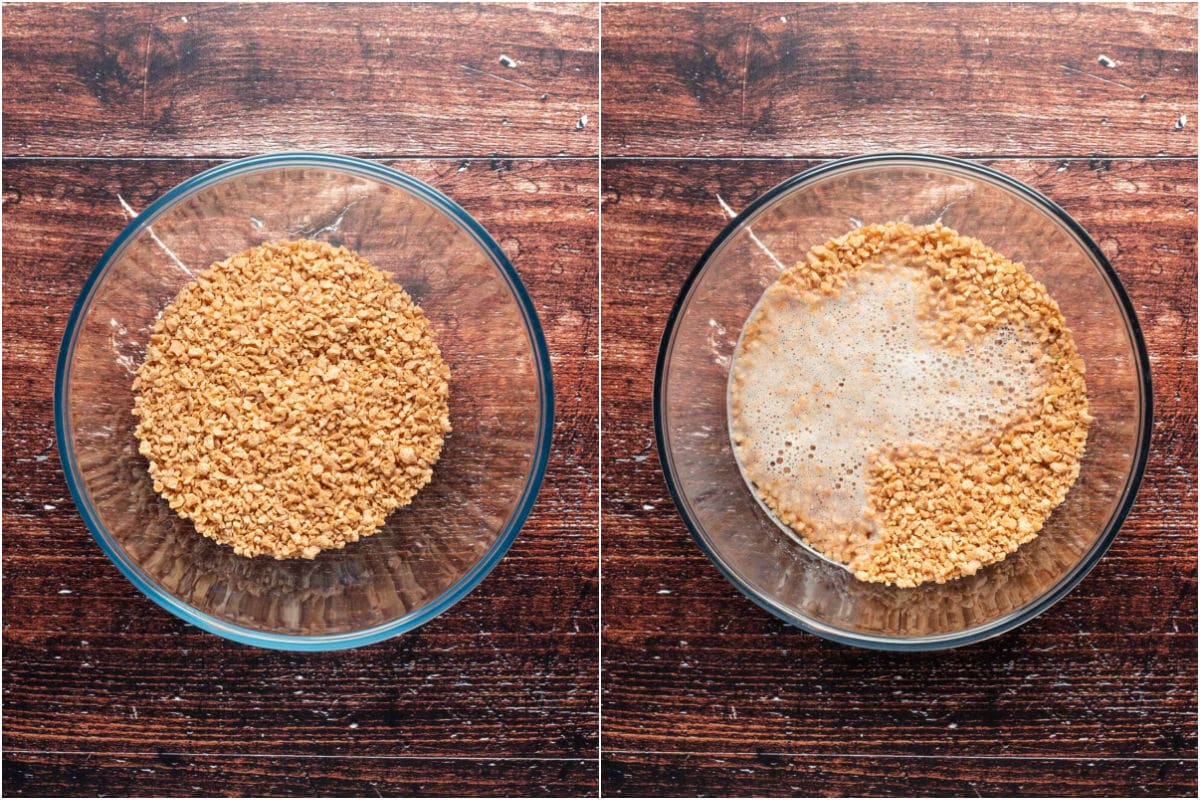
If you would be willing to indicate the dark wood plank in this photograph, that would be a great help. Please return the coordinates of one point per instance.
(840, 79)
(92, 665)
(221, 80)
(175, 775)
(771, 775)
(691, 666)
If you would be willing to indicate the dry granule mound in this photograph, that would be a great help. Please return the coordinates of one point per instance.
(291, 397)
(939, 514)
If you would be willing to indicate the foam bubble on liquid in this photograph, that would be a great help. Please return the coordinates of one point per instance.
(818, 388)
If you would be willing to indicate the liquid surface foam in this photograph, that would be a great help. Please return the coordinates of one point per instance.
(817, 389)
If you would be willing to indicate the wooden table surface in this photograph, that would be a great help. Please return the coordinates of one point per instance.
(702, 691)
(105, 692)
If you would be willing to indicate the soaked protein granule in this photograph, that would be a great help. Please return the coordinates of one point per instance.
(909, 403)
(291, 397)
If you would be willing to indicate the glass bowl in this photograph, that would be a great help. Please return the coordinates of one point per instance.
(429, 554)
(725, 517)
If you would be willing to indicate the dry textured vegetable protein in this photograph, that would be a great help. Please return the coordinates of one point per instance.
(291, 397)
(953, 474)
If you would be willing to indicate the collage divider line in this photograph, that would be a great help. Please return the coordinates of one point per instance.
(599, 398)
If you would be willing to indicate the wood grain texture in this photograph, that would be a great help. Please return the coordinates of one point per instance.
(692, 670)
(225, 80)
(174, 775)
(841, 776)
(832, 79)
(94, 667)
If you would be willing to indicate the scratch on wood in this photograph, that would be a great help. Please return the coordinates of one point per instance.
(145, 74)
(745, 70)
(478, 71)
(1097, 77)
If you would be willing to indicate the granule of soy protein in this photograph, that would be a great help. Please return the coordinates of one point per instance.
(292, 396)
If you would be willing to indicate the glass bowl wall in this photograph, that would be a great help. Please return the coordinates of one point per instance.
(429, 554)
(693, 368)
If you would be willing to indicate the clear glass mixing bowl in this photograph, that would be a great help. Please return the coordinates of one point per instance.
(776, 231)
(430, 553)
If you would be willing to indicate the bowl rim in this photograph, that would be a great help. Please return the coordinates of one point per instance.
(1133, 481)
(542, 442)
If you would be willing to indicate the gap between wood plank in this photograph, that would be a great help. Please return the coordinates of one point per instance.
(1002, 157)
(489, 157)
(275, 756)
(563, 759)
(864, 756)
(375, 157)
